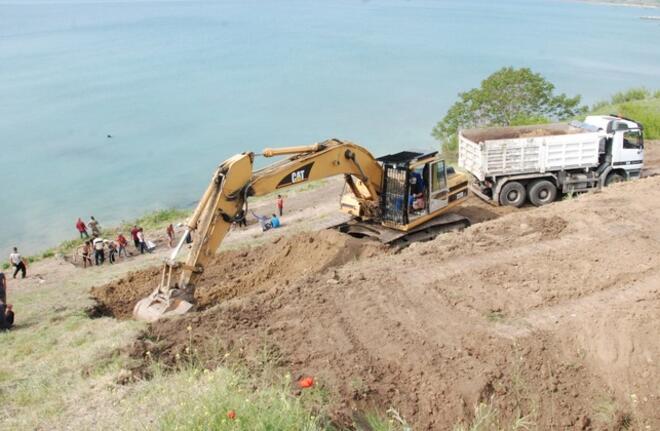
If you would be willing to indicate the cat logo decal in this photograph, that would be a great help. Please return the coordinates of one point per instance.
(298, 176)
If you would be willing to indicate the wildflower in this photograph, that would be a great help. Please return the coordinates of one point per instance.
(231, 414)
(189, 328)
(306, 383)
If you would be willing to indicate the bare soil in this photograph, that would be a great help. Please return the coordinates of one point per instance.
(550, 314)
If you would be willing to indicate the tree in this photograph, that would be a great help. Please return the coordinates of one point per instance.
(507, 97)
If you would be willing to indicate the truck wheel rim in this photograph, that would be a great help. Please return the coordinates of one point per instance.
(512, 196)
(543, 194)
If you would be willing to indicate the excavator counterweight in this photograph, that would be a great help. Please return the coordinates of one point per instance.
(395, 198)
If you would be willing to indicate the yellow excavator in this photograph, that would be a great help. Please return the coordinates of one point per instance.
(397, 198)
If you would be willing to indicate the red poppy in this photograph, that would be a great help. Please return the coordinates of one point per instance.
(307, 382)
(231, 414)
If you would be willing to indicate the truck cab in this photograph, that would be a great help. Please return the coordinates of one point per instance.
(623, 150)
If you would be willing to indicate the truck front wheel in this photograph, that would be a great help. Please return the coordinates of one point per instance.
(542, 192)
(614, 178)
(513, 194)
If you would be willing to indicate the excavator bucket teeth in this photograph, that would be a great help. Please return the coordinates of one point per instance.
(153, 308)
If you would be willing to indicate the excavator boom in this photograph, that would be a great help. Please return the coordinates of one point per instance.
(226, 197)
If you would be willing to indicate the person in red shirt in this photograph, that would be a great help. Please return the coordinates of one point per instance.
(280, 204)
(82, 229)
(122, 242)
(134, 235)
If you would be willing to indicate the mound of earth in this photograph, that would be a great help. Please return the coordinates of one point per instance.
(551, 316)
(238, 272)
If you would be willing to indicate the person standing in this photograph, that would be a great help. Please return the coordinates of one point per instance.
(82, 229)
(99, 251)
(95, 227)
(17, 261)
(87, 254)
(170, 235)
(6, 316)
(121, 245)
(112, 251)
(140, 237)
(3, 288)
(280, 204)
(134, 235)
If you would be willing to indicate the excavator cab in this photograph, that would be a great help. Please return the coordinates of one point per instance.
(417, 191)
(416, 188)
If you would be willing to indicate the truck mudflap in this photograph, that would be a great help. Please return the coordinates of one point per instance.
(424, 232)
(477, 191)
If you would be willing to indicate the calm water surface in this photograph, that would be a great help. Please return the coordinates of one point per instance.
(182, 85)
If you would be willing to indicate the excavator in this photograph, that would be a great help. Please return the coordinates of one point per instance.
(395, 199)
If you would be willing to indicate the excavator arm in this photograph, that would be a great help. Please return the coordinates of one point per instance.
(227, 194)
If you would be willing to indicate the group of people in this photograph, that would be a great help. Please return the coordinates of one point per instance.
(100, 247)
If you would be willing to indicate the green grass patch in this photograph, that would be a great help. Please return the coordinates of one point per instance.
(157, 219)
(229, 401)
(638, 104)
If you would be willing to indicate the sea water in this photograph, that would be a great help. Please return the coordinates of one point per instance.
(182, 85)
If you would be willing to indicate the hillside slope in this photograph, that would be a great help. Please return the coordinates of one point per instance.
(549, 316)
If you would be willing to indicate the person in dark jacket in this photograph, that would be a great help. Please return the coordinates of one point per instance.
(6, 316)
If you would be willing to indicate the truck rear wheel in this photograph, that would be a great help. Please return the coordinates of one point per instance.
(542, 192)
(513, 194)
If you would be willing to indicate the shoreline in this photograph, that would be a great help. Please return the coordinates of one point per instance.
(620, 3)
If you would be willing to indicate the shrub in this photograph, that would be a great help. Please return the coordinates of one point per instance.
(640, 93)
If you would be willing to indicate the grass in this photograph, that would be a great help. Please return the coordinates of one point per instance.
(639, 104)
(487, 418)
(227, 399)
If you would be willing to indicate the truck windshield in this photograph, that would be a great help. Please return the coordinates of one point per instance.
(632, 139)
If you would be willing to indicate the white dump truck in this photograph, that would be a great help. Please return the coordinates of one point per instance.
(512, 165)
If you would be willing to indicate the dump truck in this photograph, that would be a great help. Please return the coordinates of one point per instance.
(536, 164)
(407, 196)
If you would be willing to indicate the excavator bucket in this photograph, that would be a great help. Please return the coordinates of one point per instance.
(157, 305)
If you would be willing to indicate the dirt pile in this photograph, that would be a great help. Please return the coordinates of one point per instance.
(118, 298)
(551, 316)
(238, 272)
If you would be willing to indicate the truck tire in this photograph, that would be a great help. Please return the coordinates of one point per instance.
(513, 194)
(614, 178)
(542, 192)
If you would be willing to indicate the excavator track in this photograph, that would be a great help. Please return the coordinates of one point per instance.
(400, 239)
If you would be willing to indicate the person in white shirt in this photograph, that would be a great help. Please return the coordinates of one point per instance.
(99, 251)
(17, 261)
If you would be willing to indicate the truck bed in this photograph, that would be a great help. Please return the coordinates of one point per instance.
(498, 151)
